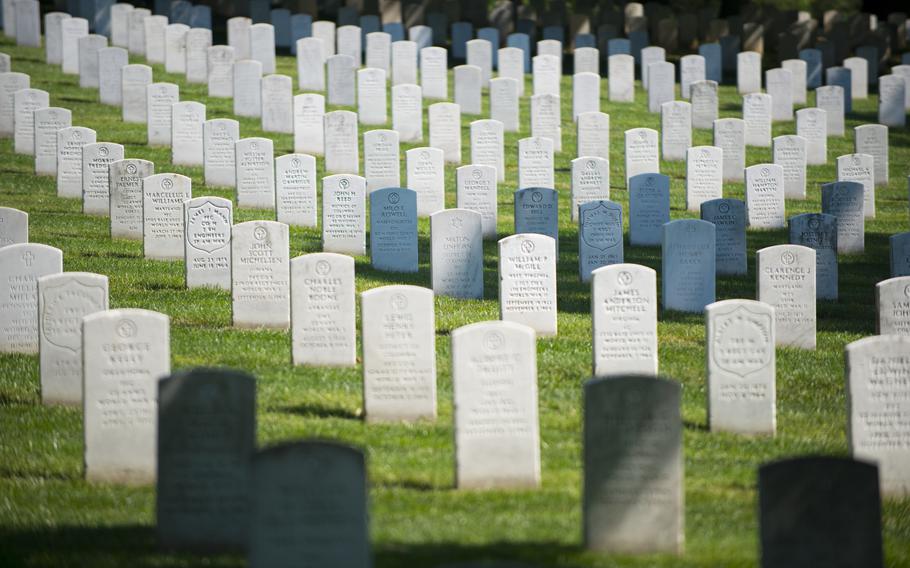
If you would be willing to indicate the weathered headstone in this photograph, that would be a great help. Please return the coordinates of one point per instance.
(729, 219)
(126, 197)
(844, 200)
(342, 152)
(824, 510)
(96, 161)
(859, 168)
(175, 48)
(238, 36)
(495, 448)
(765, 196)
(633, 465)
(277, 104)
(13, 226)
(294, 478)
(323, 328)
(399, 354)
(741, 367)
(818, 231)
(69, 159)
(527, 281)
(344, 214)
(89, 46)
(704, 103)
(456, 246)
(341, 80)
(207, 225)
(757, 116)
(688, 261)
(786, 281)
(590, 181)
(124, 352)
(309, 127)
(260, 275)
(219, 136)
(111, 61)
(704, 175)
(22, 265)
(206, 438)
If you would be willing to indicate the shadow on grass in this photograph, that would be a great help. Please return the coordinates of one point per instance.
(136, 546)
(320, 411)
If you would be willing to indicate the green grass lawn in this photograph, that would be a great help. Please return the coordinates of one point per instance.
(49, 516)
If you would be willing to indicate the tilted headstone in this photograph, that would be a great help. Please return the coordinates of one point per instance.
(592, 135)
(844, 200)
(872, 139)
(277, 104)
(25, 103)
(859, 168)
(393, 229)
(456, 248)
(624, 315)
(642, 156)
(309, 127)
(704, 175)
(22, 265)
(260, 275)
(219, 135)
(342, 151)
(892, 299)
(323, 329)
(247, 88)
(818, 231)
(688, 261)
(633, 465)
(819, 510)
(600, 239)
(741, 367)
(291, 482)
(124, 353)
(295, 190)
(69, 159)
(527, 282)
(399, 354)
(136, 79)
(786, 281)
(206, 439)
(757, 116)
(407, 112)
(126, 197)
(789, 152)
(96, 161)
(729, 219)
(207, 223)
(495, 449)
(254, 159)
(649, 208)
(13, 226)
(765, 196)
(162, 215)
(590, 181)
(675, 129)
(729, 136)
(344, 214)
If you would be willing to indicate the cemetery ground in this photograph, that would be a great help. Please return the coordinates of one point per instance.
(50, 516)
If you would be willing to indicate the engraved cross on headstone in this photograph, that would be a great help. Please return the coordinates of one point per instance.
(27, 258)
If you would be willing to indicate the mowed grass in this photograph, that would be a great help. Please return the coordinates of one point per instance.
(49, 516)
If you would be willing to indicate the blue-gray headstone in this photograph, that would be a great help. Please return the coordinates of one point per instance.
(537, 211)
(422, 36)
(585, 40)
(638, 40)
(554, 32)
(619, 46)
(729, 218)
(687, 277)
(439, 23)
(395, 30)
(301, 27)
(347, 16)
(260, 11)
(649, 208)
(369, 23)
(813, 59)
(900, 254)
(729, 47)
(281, 21)
(842, 77)
(845, 200)
(492, 36)
(462, 33)
(522, 42)
(599, 236)
(393, 229)
(818, 231)
(162, 8)
(527, 26)
(201, 17)
(181, 12)
(713, 61)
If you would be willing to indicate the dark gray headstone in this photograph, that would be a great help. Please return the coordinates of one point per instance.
(649, 208)
(729, 218)
(537, 211)
(600, 241)
(819, 231)
(393, 229)
(841, 77)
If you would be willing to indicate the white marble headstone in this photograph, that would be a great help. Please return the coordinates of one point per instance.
(260, 275)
